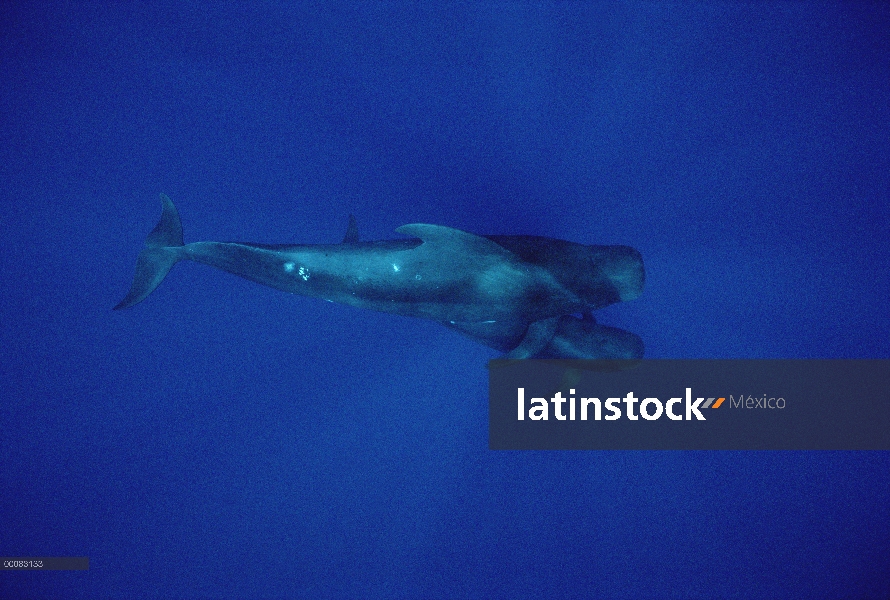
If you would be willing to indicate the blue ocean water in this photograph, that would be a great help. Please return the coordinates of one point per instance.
(223, 439)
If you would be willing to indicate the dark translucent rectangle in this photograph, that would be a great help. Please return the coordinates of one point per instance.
(766, 405)
(43, 563)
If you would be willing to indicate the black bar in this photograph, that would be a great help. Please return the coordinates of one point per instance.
(43, 563)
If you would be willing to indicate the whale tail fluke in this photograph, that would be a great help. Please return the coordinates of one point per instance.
(161, 252)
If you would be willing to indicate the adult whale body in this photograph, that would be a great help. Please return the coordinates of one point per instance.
(506, 291)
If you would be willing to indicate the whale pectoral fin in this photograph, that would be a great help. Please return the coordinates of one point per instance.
(501, 335)
(351, 236)
(454, 240)
(536, 339)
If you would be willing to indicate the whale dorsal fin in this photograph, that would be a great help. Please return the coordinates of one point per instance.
(455, 239)
(351, 231)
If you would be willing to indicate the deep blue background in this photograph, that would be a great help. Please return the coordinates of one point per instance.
(224, 439)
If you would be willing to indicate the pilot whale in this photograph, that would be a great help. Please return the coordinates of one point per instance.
(513, 293)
